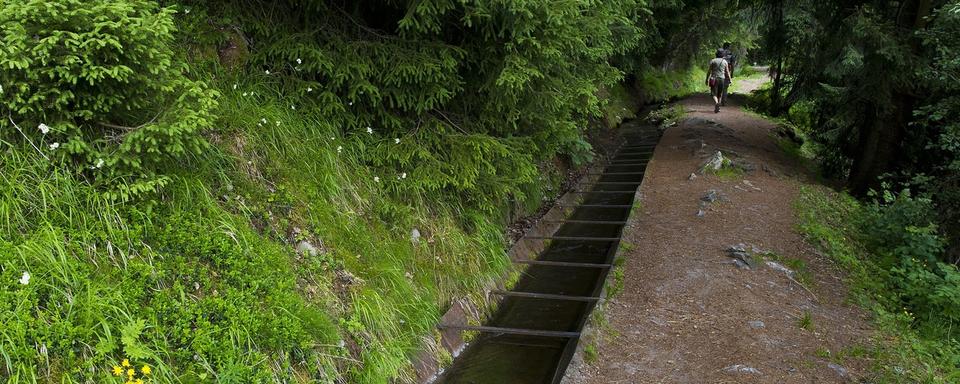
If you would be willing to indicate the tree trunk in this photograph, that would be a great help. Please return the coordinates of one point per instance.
(879, 146)
(775, 107)
(775, 103)
(880, 141)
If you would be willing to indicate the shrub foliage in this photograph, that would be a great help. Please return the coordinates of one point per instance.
(99, 86)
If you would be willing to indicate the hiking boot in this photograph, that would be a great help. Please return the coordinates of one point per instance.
(716, 108)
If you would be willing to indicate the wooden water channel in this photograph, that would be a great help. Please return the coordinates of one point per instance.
(533, 334)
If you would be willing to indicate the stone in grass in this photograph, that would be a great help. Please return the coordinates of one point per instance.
(740, 368)
(756, 324)
(415, 235)
(307, 249)
(714, 163)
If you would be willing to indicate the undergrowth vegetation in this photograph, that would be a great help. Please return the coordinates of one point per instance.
(891, 249)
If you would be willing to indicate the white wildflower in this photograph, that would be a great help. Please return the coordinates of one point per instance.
(1, 89)
(293, 107)
(376, 179)
(332, 138)
(54, 146)
(25, 279)
(264, 120)
(396, 141)
(309, 89)
(245, 94)
(299, 61)
(267, 71)
(100, 163)
(350, 103)
(186, 10)
(339, 148)
(403, 175)
(369, 130)
(43, 128)
(278, 123)
(234, 86)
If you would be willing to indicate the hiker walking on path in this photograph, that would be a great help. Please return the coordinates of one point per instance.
(731, 64)
(718, 77)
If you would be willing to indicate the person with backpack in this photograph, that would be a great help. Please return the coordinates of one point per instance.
(718, 77)
(731, 63)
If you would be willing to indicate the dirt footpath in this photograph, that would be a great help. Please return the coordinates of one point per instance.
(687, 313)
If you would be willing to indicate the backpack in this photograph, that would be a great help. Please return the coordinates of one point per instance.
(729, 57)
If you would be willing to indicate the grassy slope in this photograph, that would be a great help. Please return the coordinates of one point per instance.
(666, 85)
(900, 353)
(204, 282)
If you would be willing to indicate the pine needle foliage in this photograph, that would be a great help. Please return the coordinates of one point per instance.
(477, 93)
(98, 87)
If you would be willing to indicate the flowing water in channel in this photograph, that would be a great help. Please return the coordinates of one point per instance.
(535, 330)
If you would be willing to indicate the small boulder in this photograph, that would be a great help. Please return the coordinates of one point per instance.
(740, 253)
(714, 163)
(306, 248)
(711, 196)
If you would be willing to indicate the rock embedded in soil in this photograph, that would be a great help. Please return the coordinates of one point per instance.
(780, 267)
(839, 369)
(740, 253)
(711, 196)
(714, 163)
(306, 248)
(740, 368)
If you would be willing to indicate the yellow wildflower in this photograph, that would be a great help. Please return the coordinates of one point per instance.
(139, 381)
(117, 371)
(125, 363)
(131, 372)
(146, 369)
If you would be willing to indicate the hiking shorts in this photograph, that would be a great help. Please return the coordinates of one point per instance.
(719, 87)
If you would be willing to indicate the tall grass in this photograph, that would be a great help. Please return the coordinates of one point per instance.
(209, 267)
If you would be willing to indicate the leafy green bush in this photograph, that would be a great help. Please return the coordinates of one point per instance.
(896, 222)
(915, 301)
(98, 85)
(900, 231)
(931, 292)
